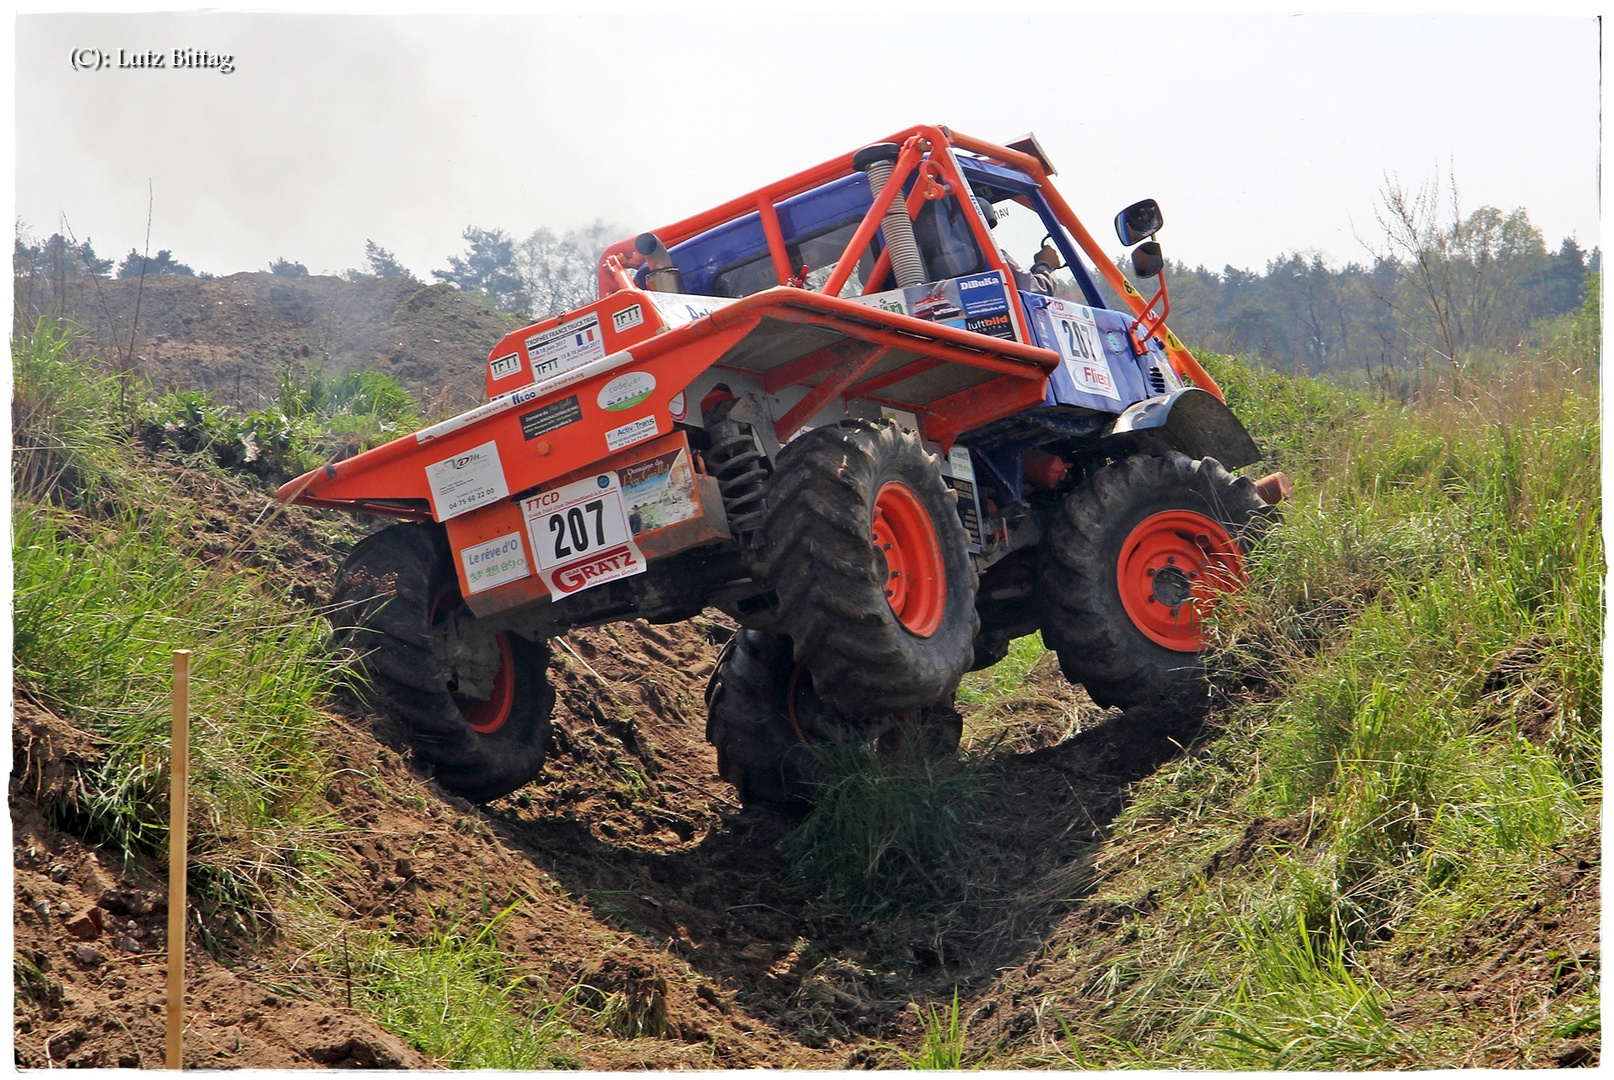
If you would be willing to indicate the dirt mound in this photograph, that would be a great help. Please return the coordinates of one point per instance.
(236, 335)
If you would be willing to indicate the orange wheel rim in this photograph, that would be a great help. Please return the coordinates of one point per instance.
(1172, 567)
(484, 717)
(916, 580)
(489, 716)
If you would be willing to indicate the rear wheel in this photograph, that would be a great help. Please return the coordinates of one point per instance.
(1130, 565)
(862, 542)
(476, 704)
(771, 728)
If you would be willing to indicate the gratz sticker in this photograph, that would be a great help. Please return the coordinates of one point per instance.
(1082, 348)
(495, 562)
(580, 535)
(625, 391)
(568, 345)
(630, 433)
(627, 318)
(467, 480)
(546, 418)
(504, 366)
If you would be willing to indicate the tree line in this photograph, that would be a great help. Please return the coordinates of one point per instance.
(1437, 285)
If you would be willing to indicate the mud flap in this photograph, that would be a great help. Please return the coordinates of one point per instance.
(1190, 421)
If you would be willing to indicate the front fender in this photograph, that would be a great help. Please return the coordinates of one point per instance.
(1190, 421)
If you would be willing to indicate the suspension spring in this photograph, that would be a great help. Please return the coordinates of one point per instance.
(742, 472)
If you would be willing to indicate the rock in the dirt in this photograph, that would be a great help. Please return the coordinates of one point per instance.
(127, 943)
(124, 902)
(86, 925)
(59, 873)
(354, 1052)
(86, 955)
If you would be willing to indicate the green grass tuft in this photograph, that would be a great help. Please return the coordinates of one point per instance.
(887, 836)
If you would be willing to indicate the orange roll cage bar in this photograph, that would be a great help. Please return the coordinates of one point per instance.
(939, 173)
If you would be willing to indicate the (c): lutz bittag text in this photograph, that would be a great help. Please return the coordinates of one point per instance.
(152, 59)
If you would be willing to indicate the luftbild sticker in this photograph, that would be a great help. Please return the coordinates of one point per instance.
(467, 480)
(546, 418)
(630, 433)
(504, 366)
(495, 562)
(627, 390)
(627, 318)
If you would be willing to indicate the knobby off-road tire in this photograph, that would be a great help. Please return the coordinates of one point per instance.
(1128, 562)
(862, 542)
(395, 598)
(759, 749)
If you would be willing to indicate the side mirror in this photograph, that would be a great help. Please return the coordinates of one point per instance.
(1147, 260)
(1137, 222)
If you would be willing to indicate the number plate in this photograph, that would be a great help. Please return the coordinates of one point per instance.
(1082, 347)
(580, 535)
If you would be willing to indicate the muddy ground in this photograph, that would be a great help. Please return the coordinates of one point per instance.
(638, 872)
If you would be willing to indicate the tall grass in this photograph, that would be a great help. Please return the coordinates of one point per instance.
(887, 835)
(107, 582)
(449, 994)
(1413, 682)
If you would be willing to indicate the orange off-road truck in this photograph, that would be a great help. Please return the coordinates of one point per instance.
(836, 411)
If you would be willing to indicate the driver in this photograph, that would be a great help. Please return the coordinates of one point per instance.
(1043, 263)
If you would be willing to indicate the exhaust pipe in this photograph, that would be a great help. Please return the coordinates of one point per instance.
(662, 276)
(878, 161)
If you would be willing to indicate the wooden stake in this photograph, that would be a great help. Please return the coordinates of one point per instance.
(178, 841)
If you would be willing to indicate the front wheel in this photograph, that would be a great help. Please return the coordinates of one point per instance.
(1129, 567)
(476, 704)
(862, 542)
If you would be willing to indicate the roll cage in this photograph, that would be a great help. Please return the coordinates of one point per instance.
(773, 225)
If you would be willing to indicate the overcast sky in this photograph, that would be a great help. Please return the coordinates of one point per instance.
(1258, 134)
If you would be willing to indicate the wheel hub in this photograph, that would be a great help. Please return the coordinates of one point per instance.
(908, 553)
(1172, 567)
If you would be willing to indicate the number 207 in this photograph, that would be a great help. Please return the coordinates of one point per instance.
(573, 525)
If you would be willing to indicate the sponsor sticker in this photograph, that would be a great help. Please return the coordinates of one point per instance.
(504, 366)
(546, 418)
(906, 420)
(994, 325)
(580, 535)
(959, 463)
(630, 433)
(626, 390)
(627, 318)
(495, 562)
(481, 412)
(958, 471)
(680, 309)
(659, 492)
(678, 406)
(466, 480)
(568, 345)
(983, 294)
(1081, 347)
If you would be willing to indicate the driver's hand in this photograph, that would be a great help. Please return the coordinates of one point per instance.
(1048, 255)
